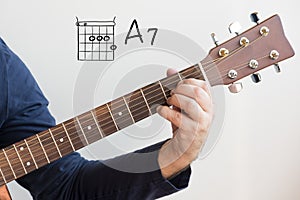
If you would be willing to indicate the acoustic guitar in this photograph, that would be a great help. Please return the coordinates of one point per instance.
(261, 46)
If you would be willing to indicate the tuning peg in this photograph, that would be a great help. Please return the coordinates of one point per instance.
(235, 87)
(277, 68)
(235, 27)
(256, 78)
(255, 17)
(215, 39)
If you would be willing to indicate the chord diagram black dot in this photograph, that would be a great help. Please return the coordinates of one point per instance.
(96, 40)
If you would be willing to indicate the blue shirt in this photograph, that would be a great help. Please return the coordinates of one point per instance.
(24, 112)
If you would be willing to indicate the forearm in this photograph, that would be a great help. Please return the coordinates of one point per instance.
(135, 175)
(170, 163)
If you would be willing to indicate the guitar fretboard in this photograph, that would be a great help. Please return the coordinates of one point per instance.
(38, 150)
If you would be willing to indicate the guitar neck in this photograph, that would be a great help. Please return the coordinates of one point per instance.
(41, 149)
(251, 51)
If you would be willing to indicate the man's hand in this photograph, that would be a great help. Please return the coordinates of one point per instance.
(191, 116)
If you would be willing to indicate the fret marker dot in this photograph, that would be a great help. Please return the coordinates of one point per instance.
(22, 149)
(61, 139)
(120, 113)
(28, 163)
(89, 127)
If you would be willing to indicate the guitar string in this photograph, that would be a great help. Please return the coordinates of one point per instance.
(99, 109)
(60, 132)
(22, 169)
(184, 71)
(32, 146)
(233, 52)
(217, 78)
(46, 132)
(239, 67)
(207, 66)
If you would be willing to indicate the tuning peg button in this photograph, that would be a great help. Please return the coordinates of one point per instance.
(235, 27)
(255, 17)
(256, 78)
(215, 39)
(235, 87)
(277, 68)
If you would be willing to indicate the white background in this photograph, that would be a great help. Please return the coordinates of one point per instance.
(257, 156)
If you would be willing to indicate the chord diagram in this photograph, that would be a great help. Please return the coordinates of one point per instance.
(96, 40)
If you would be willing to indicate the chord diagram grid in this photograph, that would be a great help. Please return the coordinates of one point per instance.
(95, 40)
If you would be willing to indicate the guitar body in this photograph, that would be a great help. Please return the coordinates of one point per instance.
(4, 193)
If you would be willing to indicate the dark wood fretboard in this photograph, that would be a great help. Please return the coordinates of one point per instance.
(38, 150)
(41, 149)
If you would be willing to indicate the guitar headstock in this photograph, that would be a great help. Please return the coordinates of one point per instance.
(247, 53)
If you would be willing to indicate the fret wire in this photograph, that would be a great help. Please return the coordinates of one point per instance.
(51, 154)
(89, 127)
(163, 90)
(8, 169)
(179, 75)
(171, 81)
(134, 104)
(97, 124)
(146, 101)
(54, 142)
(20, 158)
(194, 72)
(43, 148)
(149, 93)
(3, 176)
(185, 70)
(31, 154)
(19, 169)
(154, 90)
(82, 130)
(50, 149)
(9, 163)
(201, 70)
(152, 97)
(112, 116)
(128, 109)
(168, 77)
(63, 125)
(76, 135)
(105, 120)
(137, 105)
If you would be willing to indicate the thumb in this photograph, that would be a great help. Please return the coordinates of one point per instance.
(171, 71)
